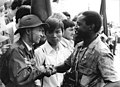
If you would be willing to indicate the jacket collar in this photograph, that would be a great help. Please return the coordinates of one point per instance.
(28, 47)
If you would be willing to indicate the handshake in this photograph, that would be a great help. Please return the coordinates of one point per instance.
(48, 70)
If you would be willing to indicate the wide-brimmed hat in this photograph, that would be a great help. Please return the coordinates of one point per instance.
(30, 21)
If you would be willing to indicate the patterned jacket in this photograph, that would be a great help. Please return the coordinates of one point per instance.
(22, 67)
(94, 64)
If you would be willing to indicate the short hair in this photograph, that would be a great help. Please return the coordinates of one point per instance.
(92, 17)
(22, 11)
(59, 16)
(15, 4)
(66, 13)
(53, 23)
(68, 23)
(27, 2)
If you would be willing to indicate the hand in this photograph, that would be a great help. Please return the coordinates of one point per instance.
(50, 70)
(42, 69)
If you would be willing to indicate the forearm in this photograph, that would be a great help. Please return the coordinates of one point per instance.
(113, 84)
(28, 75)
(62, 68)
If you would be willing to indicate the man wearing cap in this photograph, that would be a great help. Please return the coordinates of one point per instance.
(22, 64)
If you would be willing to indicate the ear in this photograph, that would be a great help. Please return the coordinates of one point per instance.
(91, 27)
(28, 31)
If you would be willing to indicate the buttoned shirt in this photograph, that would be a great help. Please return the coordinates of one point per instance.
(46, 54)
(95, 64)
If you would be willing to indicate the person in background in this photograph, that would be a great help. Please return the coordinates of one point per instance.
(10, 13)
(110, 41)
(68, 34)
(26, 2)
(92, 61)
(22, 11)
(22, 65)
(4, 44)
(67, 15)
(10, 18)
(52, 52)
(3, 49)
(104, 38)
(59, 16)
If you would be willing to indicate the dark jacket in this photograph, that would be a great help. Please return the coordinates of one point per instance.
(22, 67)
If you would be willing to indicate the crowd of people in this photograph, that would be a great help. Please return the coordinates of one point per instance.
(60, 52)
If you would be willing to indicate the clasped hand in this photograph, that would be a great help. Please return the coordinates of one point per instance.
(50, 70)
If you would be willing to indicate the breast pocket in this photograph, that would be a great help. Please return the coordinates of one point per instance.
(88, 64)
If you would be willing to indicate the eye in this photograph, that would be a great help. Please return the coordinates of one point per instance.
(41, 30)
(50, 32)
(78, 24)
(58, 31)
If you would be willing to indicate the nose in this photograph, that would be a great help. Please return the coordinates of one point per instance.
(42, 33)
(74, 32)
(54, 34)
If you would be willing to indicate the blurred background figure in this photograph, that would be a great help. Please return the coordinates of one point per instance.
(111, 44)
(3, 48)
(3, 44)
(67, 15)
(68, 34)
(22, 11)
(104, 38)
(59, 16)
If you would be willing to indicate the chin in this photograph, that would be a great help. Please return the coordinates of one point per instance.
(37, 41)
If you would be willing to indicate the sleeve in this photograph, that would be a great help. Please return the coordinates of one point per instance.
(107, 69)
(20, 72)
(68, 63)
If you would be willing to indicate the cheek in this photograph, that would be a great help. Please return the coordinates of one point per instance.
(81, 30)
(60, 35)
(36, 37)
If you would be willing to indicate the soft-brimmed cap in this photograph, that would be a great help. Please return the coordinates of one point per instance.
(30, 21)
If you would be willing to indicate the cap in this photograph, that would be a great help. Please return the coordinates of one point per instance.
(29, 21)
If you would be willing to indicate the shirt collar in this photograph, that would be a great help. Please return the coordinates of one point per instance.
(65, 42)
(95, 42)
(49, 48)
(28, 47)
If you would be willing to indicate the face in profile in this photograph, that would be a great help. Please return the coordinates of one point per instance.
(69, 33)
(82, 28)
(54, 37)
(38, 33)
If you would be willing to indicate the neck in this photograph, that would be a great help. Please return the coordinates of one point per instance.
(54, 46)
(87, 41)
